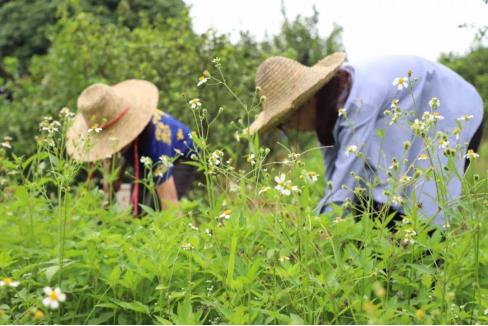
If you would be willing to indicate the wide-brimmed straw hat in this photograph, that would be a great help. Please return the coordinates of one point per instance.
(287, 84)
(110, 117)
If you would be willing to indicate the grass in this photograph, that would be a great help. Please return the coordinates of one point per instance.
(241, 251)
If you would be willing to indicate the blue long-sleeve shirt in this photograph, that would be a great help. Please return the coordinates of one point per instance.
(379, 141)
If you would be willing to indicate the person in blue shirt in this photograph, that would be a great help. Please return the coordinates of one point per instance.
(381, 122)
(166, 141)
(123, 119)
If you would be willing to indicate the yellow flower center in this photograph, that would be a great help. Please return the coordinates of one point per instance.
(7, 281)
(54, 296)
(38, 314)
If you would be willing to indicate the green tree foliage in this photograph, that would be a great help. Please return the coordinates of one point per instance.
(473, 67)
(25, 23)
(303, 36)
(86, 48)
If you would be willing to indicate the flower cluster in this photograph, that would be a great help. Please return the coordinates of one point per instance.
(394, 112)
(66, 114)
(49, 129)
(216, 158)
(409, 237)
(292, 159)
(147, 161)
(49, 126)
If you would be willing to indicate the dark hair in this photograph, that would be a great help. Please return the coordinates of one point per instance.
(329, 98)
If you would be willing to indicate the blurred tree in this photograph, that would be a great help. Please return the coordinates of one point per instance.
(474, 68)
(302, 35)
(87, 48)
(25, 23)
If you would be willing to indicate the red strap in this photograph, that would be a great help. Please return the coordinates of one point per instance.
(114, 120)
(135, 191)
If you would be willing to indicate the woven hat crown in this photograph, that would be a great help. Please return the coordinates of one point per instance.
(286, 84)
(99, 104)
(277, 76)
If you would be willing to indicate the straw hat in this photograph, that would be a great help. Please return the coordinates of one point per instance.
(287, 84)
(110, 117)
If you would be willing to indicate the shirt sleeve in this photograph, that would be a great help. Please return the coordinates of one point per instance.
(353, 135)
(162, 151)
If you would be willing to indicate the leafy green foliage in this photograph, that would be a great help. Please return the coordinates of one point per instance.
(86, 48)
(249, 249)
(474, 68)
(26, 23)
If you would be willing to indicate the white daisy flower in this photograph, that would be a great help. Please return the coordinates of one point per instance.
(465, 117)
(251, 159)
(202, 80)
(285, 187)
(6, 145)
(9, 282)
(226, 214)
(195, 103)
(471, 154)
(312, 176)
(54, 297)
(443, 143)
(400, 82)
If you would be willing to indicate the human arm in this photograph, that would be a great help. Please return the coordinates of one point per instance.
(167, 193)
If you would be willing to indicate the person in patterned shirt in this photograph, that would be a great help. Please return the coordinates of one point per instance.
(167, 141)
(123, 119)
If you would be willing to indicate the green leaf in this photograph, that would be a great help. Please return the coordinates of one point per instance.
(296, 320)
(114, 276)
(134, 306)
(6, 259)
(101, 319)
(185, 313)
(107, 305)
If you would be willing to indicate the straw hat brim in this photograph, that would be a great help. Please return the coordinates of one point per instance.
(141, 97)
(276, 111)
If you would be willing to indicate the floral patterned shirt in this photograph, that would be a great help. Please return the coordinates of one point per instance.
(164, 140)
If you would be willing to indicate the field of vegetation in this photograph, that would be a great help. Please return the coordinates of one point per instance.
(247, 246)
